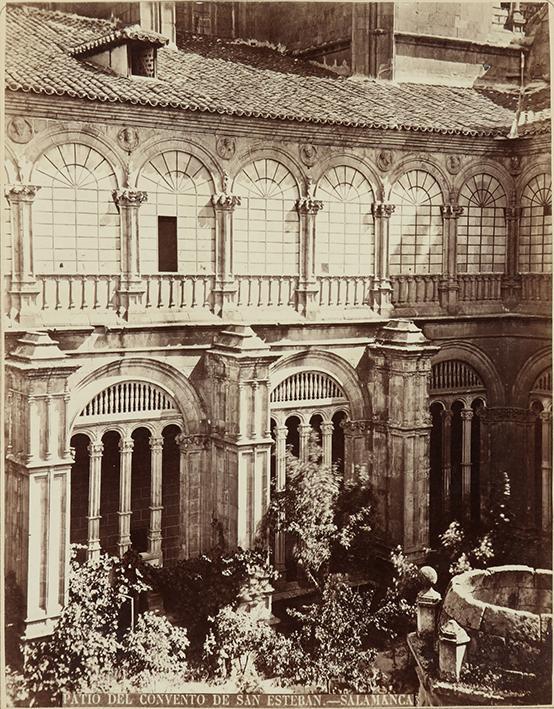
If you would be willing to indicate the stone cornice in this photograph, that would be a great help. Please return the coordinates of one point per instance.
(70, 109)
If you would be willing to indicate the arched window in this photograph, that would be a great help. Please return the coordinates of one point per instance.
(416, 225)
(345, 230)
(266, 229)
(178, 219)
(75, 220)
(535, 228)
(481, 238)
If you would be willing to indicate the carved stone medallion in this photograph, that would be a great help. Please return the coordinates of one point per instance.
(453, 164)
(514, 164)
(20, 130)
(128, 139)
(384, 160)
(225, 147)
(308, 154)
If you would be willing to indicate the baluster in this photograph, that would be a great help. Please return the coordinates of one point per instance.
(279, 291)
(110, 400)
(269, 298)
(260, 288)
(148, 303)
(45, 305)
(182, 299)
(159, 286)
(57, 293)
(287, 390)
(71, 304)
(249, 301)
(96, 302)
(194, 300)
(171, 288)
(83, 305)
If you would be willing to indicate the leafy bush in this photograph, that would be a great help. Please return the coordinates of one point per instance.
(329, 649)
(196, 589)
(92, 648)
(354, 520)
(233, 644)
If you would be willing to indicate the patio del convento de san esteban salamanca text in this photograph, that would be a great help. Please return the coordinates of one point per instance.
(213, 245)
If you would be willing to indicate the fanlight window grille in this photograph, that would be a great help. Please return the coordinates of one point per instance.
(543, 384)
(307, 386)
(345, 238)
(481, 241)
(416, 225)
(128, 398)
(266, 226)
(178, 185)
(535, 228)
(454, 375)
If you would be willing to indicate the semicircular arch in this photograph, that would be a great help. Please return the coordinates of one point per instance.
(480, 362)
(278, 155)
(328, 363)
(423, 164)
(159, 374)
(487, 167)
(528, 374)
(362, 166)
(90, 138)
(156, 146)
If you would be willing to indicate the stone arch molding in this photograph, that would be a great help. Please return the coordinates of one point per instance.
(91, 138)
(487, 167)
(328, 363)
(277, 154)
(537, 168)
(363, 166)
(480, 362)
(527, 375)
(156, 146)
(426, 164)
(160, 374)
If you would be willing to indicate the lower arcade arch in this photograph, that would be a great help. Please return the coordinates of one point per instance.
(458, 402)
(125, 478)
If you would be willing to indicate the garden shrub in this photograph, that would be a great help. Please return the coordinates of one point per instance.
(196, 589)
(328, 651)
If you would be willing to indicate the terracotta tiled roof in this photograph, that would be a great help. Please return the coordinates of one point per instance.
(201, 77)
(117, 36)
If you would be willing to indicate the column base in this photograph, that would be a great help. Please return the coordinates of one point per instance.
(448, 296)
(24, 307)
(382, 297)
(130, 297)
(307, 300)
(225, 306)
(511, 291)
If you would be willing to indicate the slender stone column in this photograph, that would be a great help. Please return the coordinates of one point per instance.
(511, 285)
(546, 470)
(308, 207)
(304, 431)
(326, 441)
(449, 284)
(155, 528)
(280, 458)
(224, 204)
(131, 289)
(24, 289)
(96, 451)
(446, 464)
(467, 416)
(125, 464)
(382, 288)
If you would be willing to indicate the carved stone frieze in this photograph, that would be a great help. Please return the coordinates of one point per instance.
(225, 147)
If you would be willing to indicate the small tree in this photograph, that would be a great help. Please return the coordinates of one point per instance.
(305, 510)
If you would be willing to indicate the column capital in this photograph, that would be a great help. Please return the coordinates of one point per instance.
(225, 201)
(446, 414)
(382, 210)
(187, 442)
(451, 211)
(129, 197)
(327, 427)
(545, 416)
(95, 450)
(304, 428)
(356, 427)
(309, 205)
(467, 414)
(512, 213)
(126, 445)
(21, 193)
(156, 442)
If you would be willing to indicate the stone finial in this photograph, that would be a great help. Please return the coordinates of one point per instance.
(428, 601)
(453, 642)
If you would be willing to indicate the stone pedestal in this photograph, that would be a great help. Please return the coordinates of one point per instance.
(453, 642)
